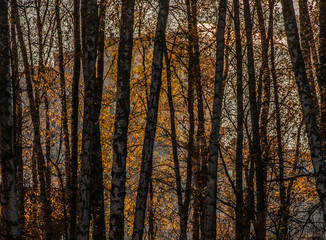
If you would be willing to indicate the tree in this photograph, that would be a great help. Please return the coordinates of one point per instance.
(308, 112)
(151, 120)
(121, 122)
(89, 34)
(9, 201)
(211, 191)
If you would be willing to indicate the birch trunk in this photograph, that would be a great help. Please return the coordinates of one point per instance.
(97, 168)
(74, 126)
(9, 193)
(306, 100)
(120, 140)
(240, 115)
(211, 190)
(18, 126)
(151, 121)
(89, 32)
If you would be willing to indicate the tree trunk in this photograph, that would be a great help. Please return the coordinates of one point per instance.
(9, 195)
(89, 32)
(74, 125)
(183, 213)
(63, 96)
(283, 203)
(97, 168)
(309, 115)
(211, 190)
(120, 140)
(151, 122)
(256, 149)
(306, 35)
(193, 156)
(240, 116)
(18, 127)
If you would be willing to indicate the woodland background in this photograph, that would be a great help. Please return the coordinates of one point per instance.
(180, 119)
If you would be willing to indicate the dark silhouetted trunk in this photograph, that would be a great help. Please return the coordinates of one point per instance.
(97, 168)
(151, 121)
(9, 193)
(89, 33)
(74, 126)
(306, 100)
(18, 127)
(211, 190)
(118, 191)
(240, 116)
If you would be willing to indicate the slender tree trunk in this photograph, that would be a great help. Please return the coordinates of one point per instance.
(63, 96)
(183, 213)
(97, 168)
(9, 201)
(256, 149)
(192, 158)
(18, 127)
(74, 125)
(309, 115)
(305, 37)
(211, 190)
(240, 115)
(89, 33)
(283, 204)
(262, 165)
(151, 122)
(120, 140)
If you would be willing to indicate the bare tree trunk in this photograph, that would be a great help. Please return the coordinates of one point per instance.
(18, 125)
(120, 140)
(63, 96)
(305, 37)
(256, 149)
(283, 203)
(309, 115)
(9, 193)
(193, 156)
(182, 208)
(262, 164)
(151, 122)
(74, 126)
(211, 190)
(89, 33)
(240, 115)
(97, 168)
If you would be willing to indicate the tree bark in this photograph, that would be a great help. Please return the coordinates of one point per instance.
(240, 115)
(17, 126)
(89, 33)
(74, 125)
(151, 122)
(307, 40)
(97, 168)
(120, 140)
(256, 149)
(309, 115)
(9, 193)
(211, 190)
